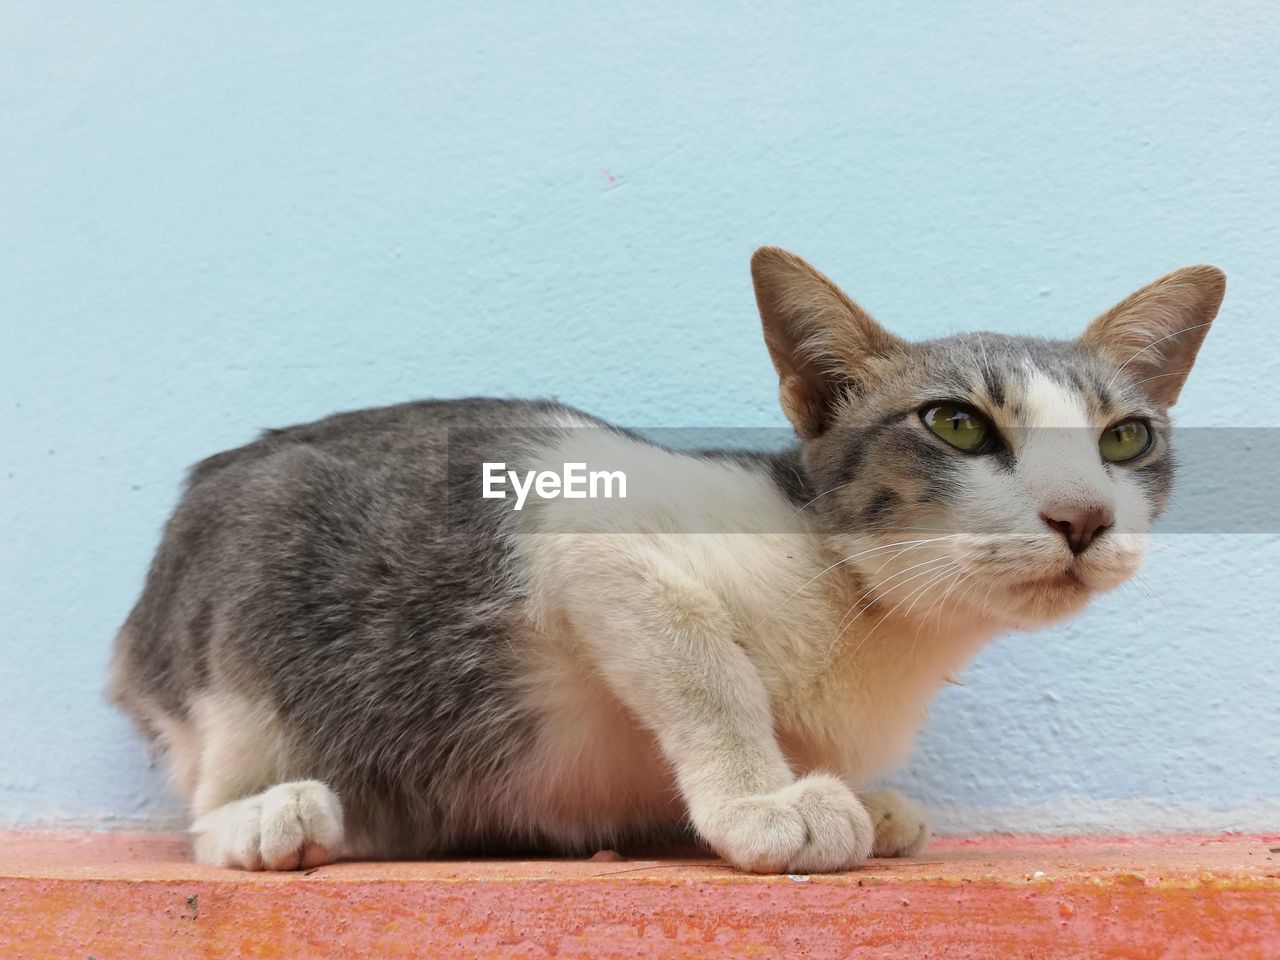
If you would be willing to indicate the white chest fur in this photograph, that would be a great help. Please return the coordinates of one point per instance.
(846, 686)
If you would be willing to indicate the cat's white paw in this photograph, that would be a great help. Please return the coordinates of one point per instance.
(901, 829)
(816, 825)
(290, 826)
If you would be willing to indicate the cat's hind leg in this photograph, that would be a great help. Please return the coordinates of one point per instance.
(250, 808)
(286, 827)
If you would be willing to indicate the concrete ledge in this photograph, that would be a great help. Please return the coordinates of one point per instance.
(133, 897)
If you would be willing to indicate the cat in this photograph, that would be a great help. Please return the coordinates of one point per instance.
(346, 650)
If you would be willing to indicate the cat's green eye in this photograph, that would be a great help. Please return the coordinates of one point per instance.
(1124, 441)
(963, 428)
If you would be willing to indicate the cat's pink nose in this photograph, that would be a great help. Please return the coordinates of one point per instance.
(1079, 526)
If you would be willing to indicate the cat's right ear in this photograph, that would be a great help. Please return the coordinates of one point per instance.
(1153, 335)
(820, 340)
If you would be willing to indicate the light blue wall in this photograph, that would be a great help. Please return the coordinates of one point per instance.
(220, 217)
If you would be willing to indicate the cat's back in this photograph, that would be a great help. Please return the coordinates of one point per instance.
(416, 436)
(351, 532)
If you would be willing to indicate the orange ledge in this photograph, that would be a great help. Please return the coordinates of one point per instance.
(134, 897)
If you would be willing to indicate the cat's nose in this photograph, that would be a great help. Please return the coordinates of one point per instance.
(1079, 526)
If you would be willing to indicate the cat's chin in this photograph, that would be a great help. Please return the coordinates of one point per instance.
(1046, 608)
(1033, 602)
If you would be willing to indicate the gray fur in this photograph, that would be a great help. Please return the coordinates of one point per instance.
(320, 570)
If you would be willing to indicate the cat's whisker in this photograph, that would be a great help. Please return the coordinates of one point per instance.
(966, 583)
(986, 361)
(1140, 586)
(984, 535)
(959, 577)
(1174, 572)
(924, 586)
(974, 584)
(934, 574)
(898, 529)
(986, 597)
(940, 603)
(1153, 593)
(1176, 373)
(1162, 544)
(880, 585)
(839, 486)
(937, 606)
(857, 610)
(914, 544)
(828, 569)
(1153, 343)
(907, 613)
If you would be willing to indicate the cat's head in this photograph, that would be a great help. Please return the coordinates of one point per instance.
(1011, 476)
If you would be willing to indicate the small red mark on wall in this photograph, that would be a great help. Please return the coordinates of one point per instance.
(612, 178)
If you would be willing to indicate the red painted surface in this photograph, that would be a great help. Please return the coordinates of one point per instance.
(117, 897)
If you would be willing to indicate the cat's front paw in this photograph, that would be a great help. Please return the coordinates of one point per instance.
(816, 825)
(901, 829)
(290, 826)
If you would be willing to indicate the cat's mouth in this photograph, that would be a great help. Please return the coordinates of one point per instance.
(1066, 579)
(1034, 600)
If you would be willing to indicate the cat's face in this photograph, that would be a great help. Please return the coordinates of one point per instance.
(1010, 476)
(989, 469)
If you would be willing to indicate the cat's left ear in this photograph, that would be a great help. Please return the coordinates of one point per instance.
(1153, 335)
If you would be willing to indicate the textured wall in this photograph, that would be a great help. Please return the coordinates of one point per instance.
(215, 218)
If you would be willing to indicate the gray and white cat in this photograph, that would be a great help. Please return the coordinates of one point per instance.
(347, 651)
